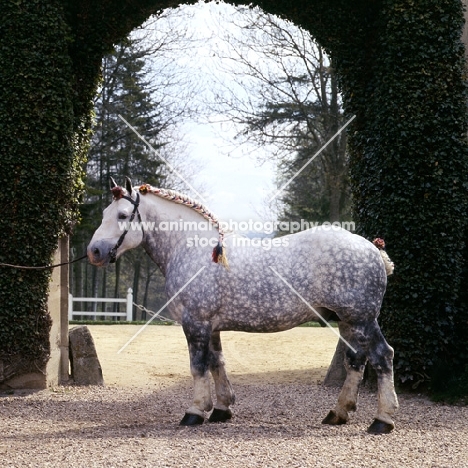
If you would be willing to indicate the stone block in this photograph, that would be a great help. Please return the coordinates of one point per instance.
(85, 366)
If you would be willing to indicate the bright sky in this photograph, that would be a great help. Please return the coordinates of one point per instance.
(235, 185)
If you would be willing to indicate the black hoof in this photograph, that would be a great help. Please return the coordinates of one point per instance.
(380, 427)
(219, 415)
(333, 419)
(191, 420)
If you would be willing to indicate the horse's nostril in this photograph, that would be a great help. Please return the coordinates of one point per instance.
(96, 251)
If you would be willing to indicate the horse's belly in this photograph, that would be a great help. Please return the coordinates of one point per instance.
(260, 320)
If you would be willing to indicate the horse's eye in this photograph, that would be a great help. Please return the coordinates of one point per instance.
(122, 216)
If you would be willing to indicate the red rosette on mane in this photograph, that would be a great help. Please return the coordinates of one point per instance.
(117, 192)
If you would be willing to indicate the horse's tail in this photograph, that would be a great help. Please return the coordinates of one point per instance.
(389, 265)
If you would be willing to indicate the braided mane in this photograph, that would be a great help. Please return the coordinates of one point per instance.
(219, 254)
(181, 199)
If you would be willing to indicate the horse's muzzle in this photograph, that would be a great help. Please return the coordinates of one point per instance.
(99, 253)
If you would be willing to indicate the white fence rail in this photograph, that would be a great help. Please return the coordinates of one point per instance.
(128, 314)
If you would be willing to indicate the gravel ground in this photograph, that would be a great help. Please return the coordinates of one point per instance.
(275, 424)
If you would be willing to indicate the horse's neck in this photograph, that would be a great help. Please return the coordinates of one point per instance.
(173, 225)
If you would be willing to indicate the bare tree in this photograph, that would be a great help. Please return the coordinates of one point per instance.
(277, 85)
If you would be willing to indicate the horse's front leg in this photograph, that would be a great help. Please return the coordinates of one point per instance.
(198, 336)
(224, 393)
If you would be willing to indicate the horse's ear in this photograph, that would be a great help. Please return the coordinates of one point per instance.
(112, 183)
(128, 185)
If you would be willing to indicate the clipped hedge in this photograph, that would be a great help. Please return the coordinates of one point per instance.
(36, 172)
(423, 176)
(409, 168)
(401, 66)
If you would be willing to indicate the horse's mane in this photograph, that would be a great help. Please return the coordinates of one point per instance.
(182, 199)
(219, 252)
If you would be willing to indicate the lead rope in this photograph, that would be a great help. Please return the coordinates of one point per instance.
(44, 267)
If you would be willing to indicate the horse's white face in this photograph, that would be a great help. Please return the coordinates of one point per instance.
(116, 219)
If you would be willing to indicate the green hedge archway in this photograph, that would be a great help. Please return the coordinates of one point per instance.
(402, 72)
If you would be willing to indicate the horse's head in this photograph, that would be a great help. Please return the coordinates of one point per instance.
(119, 230)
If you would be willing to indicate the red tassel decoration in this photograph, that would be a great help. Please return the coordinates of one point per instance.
(217, 252)
(379, 243)
(219, 255)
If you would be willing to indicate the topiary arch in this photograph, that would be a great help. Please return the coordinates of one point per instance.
(401, 70)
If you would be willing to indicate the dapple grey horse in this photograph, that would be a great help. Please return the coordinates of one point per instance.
(311, 275)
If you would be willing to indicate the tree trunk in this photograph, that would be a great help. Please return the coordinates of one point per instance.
(104, 291)
(336, 373)
(149, 266)
(118, 264)
(136, 283)
(335, 198)
(94, 289)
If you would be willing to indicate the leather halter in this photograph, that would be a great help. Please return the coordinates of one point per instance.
(136, 204)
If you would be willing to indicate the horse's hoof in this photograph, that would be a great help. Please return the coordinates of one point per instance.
(191, 420)
(333, 419)
(219, 415)
(380, 427)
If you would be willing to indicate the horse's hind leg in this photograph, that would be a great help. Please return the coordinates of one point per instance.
(381, 357)
(355, 363)
(198, 338)
(224, 393)
(368, 342)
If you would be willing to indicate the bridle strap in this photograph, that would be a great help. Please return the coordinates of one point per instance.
(136, 204)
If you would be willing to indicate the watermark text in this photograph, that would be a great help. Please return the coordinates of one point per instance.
(252, 226)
